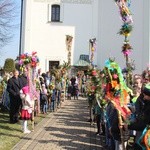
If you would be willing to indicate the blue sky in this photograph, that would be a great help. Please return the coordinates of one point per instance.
(11, 50)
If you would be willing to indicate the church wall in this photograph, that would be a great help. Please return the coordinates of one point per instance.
(94, 19)
(110, 43)
(48, 38)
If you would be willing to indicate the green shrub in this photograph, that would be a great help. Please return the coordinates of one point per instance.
(9, 65)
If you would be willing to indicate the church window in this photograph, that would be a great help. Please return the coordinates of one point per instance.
(55, 13)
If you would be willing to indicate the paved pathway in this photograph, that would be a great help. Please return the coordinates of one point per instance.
(66, 129)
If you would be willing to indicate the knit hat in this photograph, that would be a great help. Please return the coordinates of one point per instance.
(25, 89)
(146, 89)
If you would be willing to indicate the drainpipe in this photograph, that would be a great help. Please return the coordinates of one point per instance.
(20, 46)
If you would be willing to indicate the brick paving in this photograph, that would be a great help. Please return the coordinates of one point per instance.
(65, 129)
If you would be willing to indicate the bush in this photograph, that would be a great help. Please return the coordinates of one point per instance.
(9, 65)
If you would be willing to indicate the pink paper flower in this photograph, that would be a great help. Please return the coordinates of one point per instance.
(115, 76)
(127, 52)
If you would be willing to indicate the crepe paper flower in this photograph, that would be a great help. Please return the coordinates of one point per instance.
(126, 96)
(107, 64)
(94, 73)
(108, 87)
(126, 46)
(23, 56)
(34, 53)
(125, 13)
(93, 88)
(114, 84)
(29, 59)
(123, 5)
(20, 62)
(92, 49)
(125, 10)
(126, 49)
(115, 76)
(127, 19)
(126, 52)
(33, 64)
(126, 110)
(125, 29)
(33, 59)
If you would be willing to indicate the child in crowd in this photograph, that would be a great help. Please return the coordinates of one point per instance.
(26, 108)
(98, 116)
(44, 99)
(136, 94)
(53, 99)
(75, 91)
(69, 91)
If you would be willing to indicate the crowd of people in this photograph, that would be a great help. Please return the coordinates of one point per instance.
(128, 133)
(16, 98)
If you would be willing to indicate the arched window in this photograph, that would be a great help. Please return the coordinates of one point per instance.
(55, 13)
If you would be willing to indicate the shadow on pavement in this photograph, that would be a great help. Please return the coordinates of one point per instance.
(72, 129)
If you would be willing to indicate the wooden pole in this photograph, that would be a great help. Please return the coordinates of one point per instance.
(64, 87)
(127, 66)
(32, 120)
(68, 45)
(121, 130)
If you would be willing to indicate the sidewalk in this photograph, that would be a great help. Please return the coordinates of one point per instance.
(66, 129)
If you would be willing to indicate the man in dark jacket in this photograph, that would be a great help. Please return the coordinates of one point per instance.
(23, 77)
(14, 87)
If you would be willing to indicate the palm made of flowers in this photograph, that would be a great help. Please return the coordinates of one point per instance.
(68, 45)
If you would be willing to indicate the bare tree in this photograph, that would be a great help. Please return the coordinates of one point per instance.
(7, 15)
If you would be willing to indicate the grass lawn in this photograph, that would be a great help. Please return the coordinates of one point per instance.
(10, 134)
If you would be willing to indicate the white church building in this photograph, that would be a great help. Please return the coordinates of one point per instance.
(45, 24)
